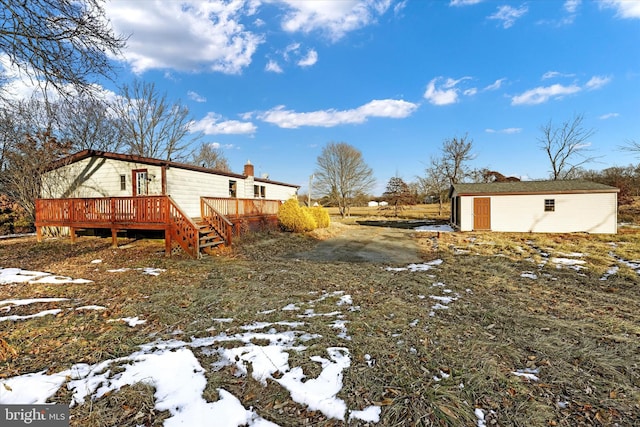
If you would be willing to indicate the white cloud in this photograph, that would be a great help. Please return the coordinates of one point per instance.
(334, 18)
(495, 85)
(508, 131)
(555, 74)
(508, 15)
(387, 108)
(470, 92)
(445, 94)
(596, 82)
(608, 116)
(543, 94)
(194, 96)
(218, 146)
(463, 2)
(629, 9)
(571, 6)
(213, 124)
(186, 36)
(310, 59)
(273, 66)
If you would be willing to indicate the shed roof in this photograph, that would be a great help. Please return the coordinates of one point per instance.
(84, 154)
(531, 187)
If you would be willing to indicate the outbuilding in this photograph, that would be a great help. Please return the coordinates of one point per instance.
(535, 206)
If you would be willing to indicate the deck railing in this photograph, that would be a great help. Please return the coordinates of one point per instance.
(243, 207)
(183, 230)
(103, 211)
(217, 220)
(151, 213)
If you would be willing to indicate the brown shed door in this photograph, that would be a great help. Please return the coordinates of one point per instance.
(482, 213)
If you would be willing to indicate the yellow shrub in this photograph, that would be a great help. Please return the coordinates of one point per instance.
(292, 217)
(321, 216)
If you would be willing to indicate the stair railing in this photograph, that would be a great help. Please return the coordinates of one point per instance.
(216, 220)
(183, 230)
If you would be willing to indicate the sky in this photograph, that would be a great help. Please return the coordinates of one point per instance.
(274, 81)
(260, 350)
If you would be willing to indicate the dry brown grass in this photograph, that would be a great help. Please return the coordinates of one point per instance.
(581, 332)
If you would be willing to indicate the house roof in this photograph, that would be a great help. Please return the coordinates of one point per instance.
(84, 154)
(531, 187)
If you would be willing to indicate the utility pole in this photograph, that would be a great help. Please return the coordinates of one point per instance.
(309, 195)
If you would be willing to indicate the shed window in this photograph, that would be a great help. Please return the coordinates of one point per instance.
(123, 182)
(549, 205)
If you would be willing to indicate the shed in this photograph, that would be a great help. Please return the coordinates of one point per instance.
(535, 206)
(98, 189)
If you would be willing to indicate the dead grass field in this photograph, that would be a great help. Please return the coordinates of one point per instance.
(577, 328)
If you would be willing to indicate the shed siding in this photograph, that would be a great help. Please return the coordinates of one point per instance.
(589, 212)
(97, 177)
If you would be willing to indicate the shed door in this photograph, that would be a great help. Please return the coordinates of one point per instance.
(482, 213)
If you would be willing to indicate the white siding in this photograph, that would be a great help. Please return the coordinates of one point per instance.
(186, 187)
(100, 177)
(592, 213)
(97, 177)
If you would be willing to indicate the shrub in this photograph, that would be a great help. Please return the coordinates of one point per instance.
(292, 217)
(321, 216)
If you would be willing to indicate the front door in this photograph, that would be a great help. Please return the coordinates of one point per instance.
(482, 213)
(140, 182)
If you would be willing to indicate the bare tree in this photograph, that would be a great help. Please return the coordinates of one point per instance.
(211, 156)
(34, 148)
(89, 123)
(632, 146)
(566, 146)
(58, 43)
(342, 174)
(436, 182)
(456, 152)
(151, 126)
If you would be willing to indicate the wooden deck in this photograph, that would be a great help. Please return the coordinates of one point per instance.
(220, 217)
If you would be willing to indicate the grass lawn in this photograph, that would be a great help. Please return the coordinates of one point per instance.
(505, 329)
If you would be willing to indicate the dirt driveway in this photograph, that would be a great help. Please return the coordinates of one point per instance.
(390, 245)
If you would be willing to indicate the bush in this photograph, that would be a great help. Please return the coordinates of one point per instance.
(321, 216)
(292, 217)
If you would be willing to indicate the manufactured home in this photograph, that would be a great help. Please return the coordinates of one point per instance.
(535, 206)
(197, 207)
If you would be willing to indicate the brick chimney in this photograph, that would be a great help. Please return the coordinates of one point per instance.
(248, 169)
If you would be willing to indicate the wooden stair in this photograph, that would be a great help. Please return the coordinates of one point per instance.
(208, 237)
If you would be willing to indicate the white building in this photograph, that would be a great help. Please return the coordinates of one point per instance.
(535, 206)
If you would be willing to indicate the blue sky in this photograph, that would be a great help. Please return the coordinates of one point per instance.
(273, 81)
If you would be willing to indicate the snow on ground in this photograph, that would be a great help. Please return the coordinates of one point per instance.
(174, 370)
(435, 227)
(17, 275)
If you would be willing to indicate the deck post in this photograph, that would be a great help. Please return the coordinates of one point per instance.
(114, 237)
(38, 234)
(167, 241)
(72, 234)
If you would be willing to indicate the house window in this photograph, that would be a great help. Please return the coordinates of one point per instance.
(123, 182)
(549, 205)
(232, 188)
(259, 191)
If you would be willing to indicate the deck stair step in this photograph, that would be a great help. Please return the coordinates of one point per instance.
(208, 238)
